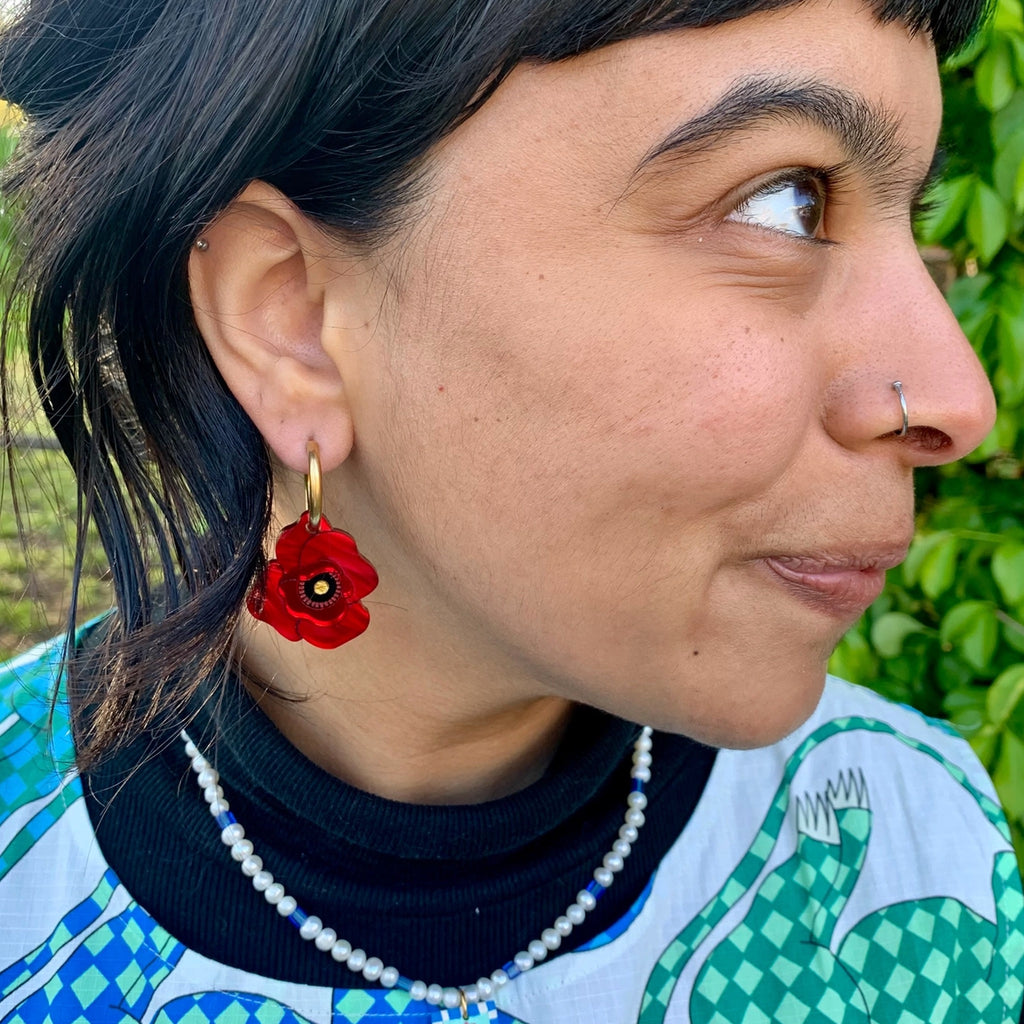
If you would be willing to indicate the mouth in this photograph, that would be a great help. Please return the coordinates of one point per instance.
(842, 585)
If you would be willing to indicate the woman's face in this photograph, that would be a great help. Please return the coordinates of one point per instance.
(623, 404)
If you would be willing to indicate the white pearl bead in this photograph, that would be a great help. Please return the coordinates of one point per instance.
(613, 862)
(241, 850)
(523, 960)
(647, 731)
(372, 968)
(252, 866)
(231, 834)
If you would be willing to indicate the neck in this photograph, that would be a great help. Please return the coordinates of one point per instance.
(432, 737)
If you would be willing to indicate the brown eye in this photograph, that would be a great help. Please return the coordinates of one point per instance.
(794, 205)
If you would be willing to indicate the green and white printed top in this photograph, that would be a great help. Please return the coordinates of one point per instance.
(858, 871)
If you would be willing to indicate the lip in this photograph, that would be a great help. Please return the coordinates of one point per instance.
(840, 584)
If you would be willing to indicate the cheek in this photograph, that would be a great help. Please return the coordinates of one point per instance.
(571, 412)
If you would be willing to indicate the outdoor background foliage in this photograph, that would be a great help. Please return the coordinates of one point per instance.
(948, 633)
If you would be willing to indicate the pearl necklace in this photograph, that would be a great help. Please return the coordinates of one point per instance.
(372, 968)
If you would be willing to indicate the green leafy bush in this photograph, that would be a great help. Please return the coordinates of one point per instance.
(947, 635)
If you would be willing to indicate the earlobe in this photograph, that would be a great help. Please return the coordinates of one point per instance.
(259, 306)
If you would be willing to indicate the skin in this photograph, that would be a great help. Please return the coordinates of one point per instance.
(570, 412)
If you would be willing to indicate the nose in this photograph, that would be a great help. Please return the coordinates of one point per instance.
(897, 326)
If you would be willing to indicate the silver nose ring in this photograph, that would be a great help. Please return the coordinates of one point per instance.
(897, 386)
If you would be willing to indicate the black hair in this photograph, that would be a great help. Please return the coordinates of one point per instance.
(145, 119)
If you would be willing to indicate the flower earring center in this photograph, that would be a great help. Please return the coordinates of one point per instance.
(320, 589)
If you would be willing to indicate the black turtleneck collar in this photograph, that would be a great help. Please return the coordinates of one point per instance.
(444, 893)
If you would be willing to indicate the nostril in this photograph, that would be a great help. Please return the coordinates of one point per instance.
(928, 439)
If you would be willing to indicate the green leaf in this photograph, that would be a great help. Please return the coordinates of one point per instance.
(1007, 16)
(966, 709)
(1018, 189)
(854, 659)
(970, 52)
(938, 568)
(994, 75)
(986, 744)
(891, 630)
(1008, 775)
(1005, 703)
(1010, 339)
(948, 202)
(988, 222)
(1017, 45)
(1001, 438)
(1008, 571)
(952, 674)
(1009, 159)
(972, 630)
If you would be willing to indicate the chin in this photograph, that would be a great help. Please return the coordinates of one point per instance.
(759, 715)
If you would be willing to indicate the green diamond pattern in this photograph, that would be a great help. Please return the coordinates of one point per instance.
(904, 964)
(353, 1006)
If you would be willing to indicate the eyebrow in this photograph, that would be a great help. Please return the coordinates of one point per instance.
(869, 135)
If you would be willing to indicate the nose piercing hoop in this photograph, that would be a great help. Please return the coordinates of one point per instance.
(897, 386)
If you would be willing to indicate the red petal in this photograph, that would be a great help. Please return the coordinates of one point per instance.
(293, 539)
(266, 604)
(330, 635)
(338, 548)
(301, 611)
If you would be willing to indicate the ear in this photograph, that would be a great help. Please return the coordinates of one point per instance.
(257, 281)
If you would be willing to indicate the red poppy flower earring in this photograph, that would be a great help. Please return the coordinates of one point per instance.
(312, 590)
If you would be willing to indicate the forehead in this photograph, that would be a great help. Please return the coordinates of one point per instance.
(616, 99)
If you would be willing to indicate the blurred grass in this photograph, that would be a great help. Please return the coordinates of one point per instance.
(37, 531)
(38, 495)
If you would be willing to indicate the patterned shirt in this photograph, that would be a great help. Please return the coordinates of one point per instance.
(858, 871)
